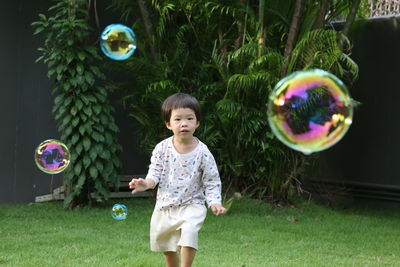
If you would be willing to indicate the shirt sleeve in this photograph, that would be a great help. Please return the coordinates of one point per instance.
(211, 180)
(156, 166)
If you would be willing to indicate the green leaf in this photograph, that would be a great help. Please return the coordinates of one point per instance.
(75, 139)
(74, 156)
(88, 127)
(81, 182)
(99, 166)
(38, 30)
(68, 101)
(68, 131)
(37, 23)
(39, 59)
(83, 117)
(86, 161)
(86, 143)
(85, 99)
(50, 72)
(66, 120)
(93, 172)
(79, 104)
(108, 138)
(109, 168)
(93, 154)
(58, 99)
(79, 68)
(97, 137)
(104, 119)
(60, 69)
(105, 155)
(95, 70)
(116, 162)
(82, 129)
(89, 77)
(100, 188)
(75, 122)
(74, 110)
(97, 109)
(78, 169)
(88, 111)
(99, 149)
(68, 177)
(114, 127)
(80, 79)
(69, 57)
(78, 148)
(66, 86)
(81, 56)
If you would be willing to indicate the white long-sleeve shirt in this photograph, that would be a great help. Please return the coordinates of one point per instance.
(183, 179)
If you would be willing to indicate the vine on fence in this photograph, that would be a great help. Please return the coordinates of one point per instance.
(81, 108)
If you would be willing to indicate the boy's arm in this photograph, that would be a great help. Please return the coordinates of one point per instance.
(212, 184)
(140, 184)
(155, 167)
(150, 183)
(211, 180)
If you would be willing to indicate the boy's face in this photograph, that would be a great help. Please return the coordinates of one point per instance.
(183, 122)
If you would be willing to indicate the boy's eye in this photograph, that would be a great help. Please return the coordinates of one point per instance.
(177, 119)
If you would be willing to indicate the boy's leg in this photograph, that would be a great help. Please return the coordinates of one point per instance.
(171, 258)
(187, 256)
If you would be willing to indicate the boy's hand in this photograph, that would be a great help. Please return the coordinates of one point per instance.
(138, 185)
(218, 209)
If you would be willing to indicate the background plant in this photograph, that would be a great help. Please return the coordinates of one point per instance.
(81, 108)
(230, 55)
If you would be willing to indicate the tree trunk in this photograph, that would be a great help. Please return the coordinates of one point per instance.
(293, 32)
(262, 32)
(320, 19)
(238, 41)
(149, 28)
(222, 44)
(349, 20)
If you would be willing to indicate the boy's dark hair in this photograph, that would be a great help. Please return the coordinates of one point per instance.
(179, 100)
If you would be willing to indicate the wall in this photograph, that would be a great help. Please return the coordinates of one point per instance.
(368, 156)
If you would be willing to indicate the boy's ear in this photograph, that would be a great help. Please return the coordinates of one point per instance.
(168, 125)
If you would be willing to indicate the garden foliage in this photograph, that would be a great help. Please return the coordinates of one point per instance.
(230, 55)
(81, 107)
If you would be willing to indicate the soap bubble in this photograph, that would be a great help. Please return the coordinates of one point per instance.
(52, 156)
(310, 110)
(119, 212)
(118, 41)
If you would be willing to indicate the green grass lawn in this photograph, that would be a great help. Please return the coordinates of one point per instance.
(251, 234)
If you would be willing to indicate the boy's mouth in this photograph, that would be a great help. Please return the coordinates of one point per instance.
(184, 131)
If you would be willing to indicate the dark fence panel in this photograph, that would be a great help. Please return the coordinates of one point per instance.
(25, 104)
(368, 155)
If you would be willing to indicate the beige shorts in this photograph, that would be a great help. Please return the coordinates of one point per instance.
(176, 227)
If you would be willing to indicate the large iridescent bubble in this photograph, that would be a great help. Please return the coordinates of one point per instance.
(118, 41)
(310, 110)
(52, 156)
(119, 212)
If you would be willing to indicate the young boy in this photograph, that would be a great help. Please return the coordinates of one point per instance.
(187, 177)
